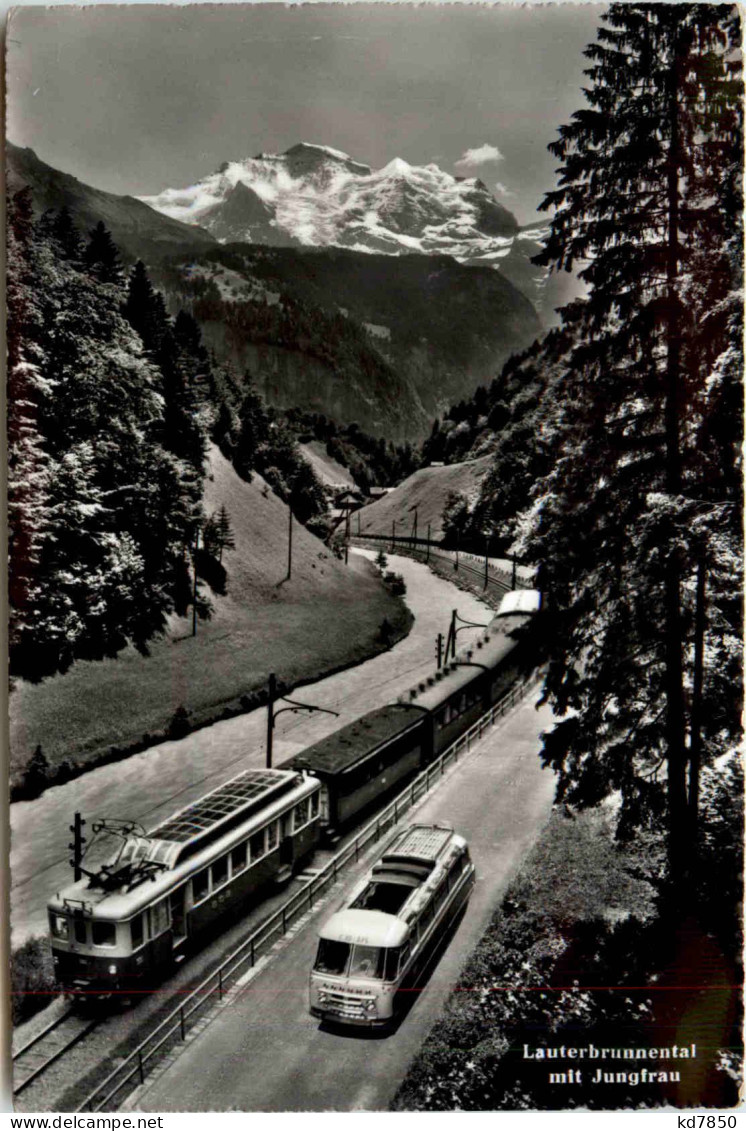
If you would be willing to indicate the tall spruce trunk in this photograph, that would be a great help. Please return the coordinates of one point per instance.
(675, 727)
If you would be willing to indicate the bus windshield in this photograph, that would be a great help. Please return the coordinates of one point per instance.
(355, 961)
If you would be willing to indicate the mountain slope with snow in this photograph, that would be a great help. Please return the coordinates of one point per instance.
(316, 197)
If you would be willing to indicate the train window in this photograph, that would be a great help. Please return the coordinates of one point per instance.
(104, 934)
(137, 931)
(272, 834)
(301, 814)
(220, 872)
(200, 884)
(315, 804)
(159, 919)
(238, 858)
(60, 926)
(81, 932)
(441, 719)
(257, 845)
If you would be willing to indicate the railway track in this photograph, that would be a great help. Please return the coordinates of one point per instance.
(32, 1060)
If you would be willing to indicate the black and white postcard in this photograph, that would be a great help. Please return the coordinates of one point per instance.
(375, 420)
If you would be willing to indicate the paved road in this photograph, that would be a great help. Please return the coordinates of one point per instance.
(149, 786)
(264, 1052)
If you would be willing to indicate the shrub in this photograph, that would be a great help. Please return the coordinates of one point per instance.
(32, 983)
(395, 583)
(179, 725)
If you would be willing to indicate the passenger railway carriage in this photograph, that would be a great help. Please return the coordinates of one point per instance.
(131, 918)
(364, 761)
(380, 943)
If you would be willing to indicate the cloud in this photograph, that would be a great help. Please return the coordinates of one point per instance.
(502, 189)
(480, 156)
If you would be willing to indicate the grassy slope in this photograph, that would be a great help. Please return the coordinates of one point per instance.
(326, 616)
(327, 469)
(427, 489)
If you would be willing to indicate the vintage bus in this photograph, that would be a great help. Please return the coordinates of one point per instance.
(380, 943)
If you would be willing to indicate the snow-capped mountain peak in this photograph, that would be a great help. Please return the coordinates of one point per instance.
(314, 195)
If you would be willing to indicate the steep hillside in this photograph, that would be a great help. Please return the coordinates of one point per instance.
(138, 231)
(326, 616)
(438, 327)
(314, 196)
(331, 473)
(426, 490)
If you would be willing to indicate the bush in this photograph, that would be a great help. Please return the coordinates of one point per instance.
(395, 584)
(32, 983)
(179, 725)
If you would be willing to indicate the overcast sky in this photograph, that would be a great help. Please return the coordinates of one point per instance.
(138, 98)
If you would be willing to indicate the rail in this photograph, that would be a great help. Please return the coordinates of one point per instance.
(173, 1028)
(523, 575)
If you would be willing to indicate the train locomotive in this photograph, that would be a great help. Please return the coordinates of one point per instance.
(126, 922)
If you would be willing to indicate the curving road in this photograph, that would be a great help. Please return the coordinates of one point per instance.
(149, 786)
(263, 1052)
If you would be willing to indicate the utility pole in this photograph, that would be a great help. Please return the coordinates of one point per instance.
(271, 695)
(513, 580)
(77, 845)
(347, 536)
(486, 561)
(272, 698)
(451, 638)
(414, 530)
(194, 587)
(290, 542)
(393, 533)
(439, 648)
(427, 557)
(457, 541)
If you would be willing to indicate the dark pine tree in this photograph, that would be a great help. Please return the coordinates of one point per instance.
(145, 309)
(647, 206)
(101, 255)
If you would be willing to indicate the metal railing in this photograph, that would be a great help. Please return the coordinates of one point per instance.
(419, 546)
(173, 1029)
